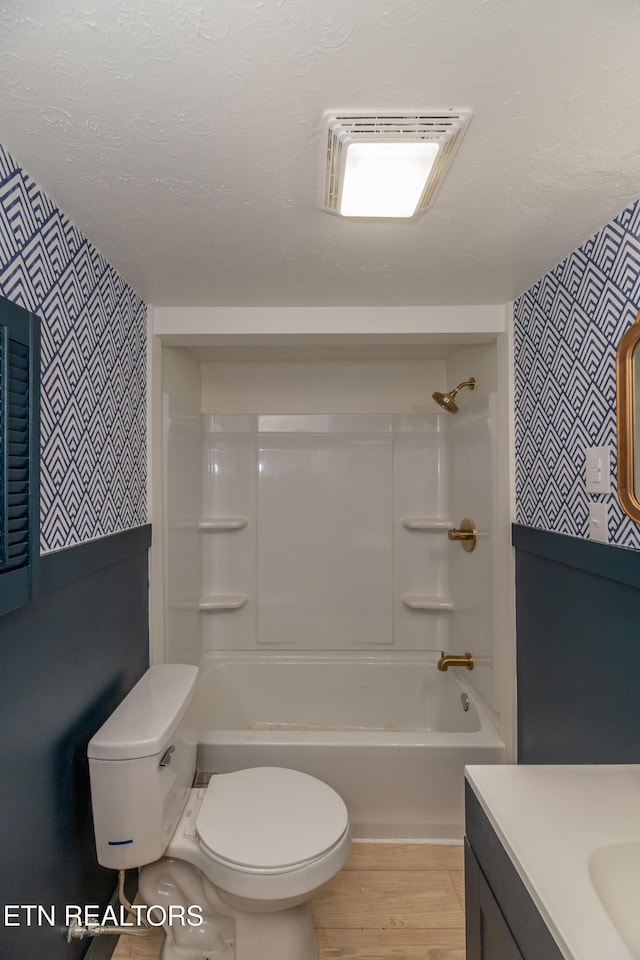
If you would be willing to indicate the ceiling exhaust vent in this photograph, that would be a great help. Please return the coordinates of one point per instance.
(416, 150)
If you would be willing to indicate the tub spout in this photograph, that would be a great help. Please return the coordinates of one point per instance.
(455, 660)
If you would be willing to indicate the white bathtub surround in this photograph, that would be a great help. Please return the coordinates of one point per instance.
(387, 731)
(474, 588)
(329, 532)
(332, 527)
(181, 581)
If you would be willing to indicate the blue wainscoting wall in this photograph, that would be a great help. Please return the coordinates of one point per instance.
(578, 649)
(67, 660)
(69, 657)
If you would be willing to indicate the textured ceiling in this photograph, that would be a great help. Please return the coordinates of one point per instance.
(183, 137)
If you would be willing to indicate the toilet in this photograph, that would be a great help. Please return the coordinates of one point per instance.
(230, 867)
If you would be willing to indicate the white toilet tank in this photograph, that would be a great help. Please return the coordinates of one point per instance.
(141, 765)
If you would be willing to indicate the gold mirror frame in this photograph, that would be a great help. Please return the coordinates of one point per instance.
(625, 408)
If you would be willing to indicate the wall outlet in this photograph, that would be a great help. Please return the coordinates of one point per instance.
(599, 522)
(598, 468)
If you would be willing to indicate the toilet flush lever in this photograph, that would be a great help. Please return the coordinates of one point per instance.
(166, 756)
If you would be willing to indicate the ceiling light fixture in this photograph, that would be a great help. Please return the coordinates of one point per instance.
(388, 165)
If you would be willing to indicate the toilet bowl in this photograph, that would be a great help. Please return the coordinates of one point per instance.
(233, 865)
(265, 839)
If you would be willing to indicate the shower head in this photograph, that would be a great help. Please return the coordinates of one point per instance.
(447, 401)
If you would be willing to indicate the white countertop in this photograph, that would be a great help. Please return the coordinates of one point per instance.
(551, 819)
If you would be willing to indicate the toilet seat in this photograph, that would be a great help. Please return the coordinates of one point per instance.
(270, 820)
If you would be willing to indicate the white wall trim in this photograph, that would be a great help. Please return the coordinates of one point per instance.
(505, 572)
(386, 322)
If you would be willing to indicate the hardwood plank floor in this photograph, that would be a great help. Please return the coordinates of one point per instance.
(392, 901)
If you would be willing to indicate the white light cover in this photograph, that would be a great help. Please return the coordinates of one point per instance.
(385, 179)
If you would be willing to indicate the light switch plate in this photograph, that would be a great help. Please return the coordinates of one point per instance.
(599, 522)
(598, 469)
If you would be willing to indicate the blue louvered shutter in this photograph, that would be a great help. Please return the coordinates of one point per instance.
(19, 453)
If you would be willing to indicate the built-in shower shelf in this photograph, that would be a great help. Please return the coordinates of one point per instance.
(220, 524)
(215, 602)
(420, 601)
(427, 524)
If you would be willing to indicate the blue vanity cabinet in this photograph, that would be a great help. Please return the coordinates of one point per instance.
(488, 933)
(502, 921)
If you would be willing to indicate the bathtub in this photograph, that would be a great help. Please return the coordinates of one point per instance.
(388, 732)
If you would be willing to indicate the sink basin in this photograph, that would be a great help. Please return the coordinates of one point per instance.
(615, 874)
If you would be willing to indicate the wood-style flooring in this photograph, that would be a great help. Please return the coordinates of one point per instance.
(392, 901)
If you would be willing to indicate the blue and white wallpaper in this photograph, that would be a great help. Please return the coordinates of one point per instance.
(93, 430)
(567, 329)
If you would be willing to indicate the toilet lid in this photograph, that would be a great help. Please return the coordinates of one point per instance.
(269, 817)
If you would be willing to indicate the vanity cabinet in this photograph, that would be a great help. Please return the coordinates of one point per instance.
(488, 933)
(502, 921)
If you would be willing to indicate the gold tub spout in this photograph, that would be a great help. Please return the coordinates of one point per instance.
(455, 660)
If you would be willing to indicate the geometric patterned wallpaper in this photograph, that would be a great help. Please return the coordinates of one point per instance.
(93, 389)
(566, 331)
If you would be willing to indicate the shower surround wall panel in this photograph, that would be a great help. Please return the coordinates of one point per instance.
(324, 533)
(178, 626)
(181, 594)
(472, 455)
(228, 532)
(421, 595)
